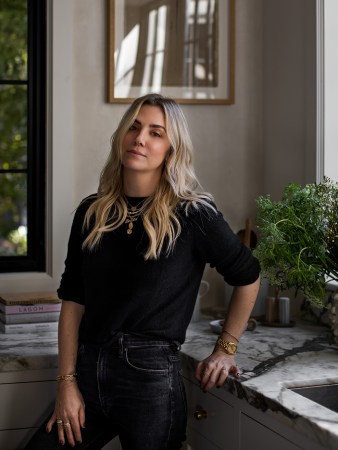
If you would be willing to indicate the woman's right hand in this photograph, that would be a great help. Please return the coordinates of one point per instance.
(69, 409)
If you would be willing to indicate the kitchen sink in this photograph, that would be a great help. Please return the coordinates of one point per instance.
(323, 394)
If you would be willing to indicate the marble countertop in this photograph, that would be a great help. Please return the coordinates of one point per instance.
(30, 351)
(273, 359)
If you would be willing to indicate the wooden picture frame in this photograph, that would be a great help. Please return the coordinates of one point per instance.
(184, 49)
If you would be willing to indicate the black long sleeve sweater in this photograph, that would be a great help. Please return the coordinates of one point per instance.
(123, 292)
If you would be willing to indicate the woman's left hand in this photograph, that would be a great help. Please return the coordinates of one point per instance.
(215, 369)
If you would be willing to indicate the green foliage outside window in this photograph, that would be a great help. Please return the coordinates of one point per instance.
(13, 127)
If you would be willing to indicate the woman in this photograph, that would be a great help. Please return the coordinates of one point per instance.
(136, 255)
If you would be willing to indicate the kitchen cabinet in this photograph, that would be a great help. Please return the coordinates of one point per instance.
(210, 421)
(219, 420)
(255, 435)
(26, 398)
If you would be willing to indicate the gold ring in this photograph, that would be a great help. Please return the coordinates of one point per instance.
(204, 373)
(66, 424)
(59, 421)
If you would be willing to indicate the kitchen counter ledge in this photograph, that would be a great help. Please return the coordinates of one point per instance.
(272, 359)
(31, 351)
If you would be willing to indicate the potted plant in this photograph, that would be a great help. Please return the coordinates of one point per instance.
(298, 239)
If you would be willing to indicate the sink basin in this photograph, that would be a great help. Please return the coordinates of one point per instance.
(323, 394)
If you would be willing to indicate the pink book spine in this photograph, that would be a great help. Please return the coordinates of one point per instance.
(27, 309)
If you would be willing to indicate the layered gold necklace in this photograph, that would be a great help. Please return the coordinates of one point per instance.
(133, 213)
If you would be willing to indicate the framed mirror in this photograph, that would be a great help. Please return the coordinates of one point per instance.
(180, 48)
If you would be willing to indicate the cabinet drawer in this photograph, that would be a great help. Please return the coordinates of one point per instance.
(216, 425)
(113, 445)
(25, 405)
(18, 439)
(256, 435)
(15, 439)
(197, 442)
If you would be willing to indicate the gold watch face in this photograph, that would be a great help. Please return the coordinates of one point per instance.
(231, 348)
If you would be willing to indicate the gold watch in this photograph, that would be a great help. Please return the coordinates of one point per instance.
(229, 347)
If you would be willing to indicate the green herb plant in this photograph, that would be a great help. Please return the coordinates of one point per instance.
(298, 239)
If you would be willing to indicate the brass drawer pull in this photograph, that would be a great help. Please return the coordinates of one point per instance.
(200, 414)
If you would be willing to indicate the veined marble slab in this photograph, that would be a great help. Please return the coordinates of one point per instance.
(31, 351)
(258, 349)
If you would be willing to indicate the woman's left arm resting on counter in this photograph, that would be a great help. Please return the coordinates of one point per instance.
(215, 369)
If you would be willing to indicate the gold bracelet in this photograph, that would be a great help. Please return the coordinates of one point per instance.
(227, 332)
(67, 377)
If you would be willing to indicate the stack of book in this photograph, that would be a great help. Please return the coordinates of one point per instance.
(29, 312)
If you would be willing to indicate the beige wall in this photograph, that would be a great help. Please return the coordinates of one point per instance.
(235, 158)
(289, 97)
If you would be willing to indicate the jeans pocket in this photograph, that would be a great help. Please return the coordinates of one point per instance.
(173, 353)
(152, 360)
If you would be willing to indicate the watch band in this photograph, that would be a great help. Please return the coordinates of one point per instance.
(229, 347)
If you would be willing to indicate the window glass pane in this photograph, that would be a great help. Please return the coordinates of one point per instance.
(22, 134)
(13, 39)
(13, 214)
(13, 127)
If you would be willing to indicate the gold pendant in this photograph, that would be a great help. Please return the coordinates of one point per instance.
(130, 227)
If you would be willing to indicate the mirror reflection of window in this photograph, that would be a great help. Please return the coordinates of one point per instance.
(167, 42)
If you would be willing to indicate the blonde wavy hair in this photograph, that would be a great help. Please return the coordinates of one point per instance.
(178, 184)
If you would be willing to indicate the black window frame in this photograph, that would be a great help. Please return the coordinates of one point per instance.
(35, 260)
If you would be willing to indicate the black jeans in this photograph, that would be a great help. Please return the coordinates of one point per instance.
(131, 388)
